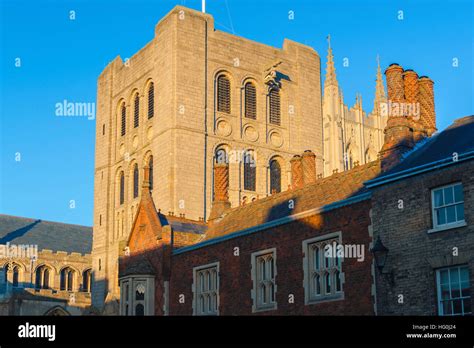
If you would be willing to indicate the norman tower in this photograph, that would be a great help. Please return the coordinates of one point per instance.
(189, 94)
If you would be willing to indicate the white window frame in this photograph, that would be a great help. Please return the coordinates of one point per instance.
(149, 302)
(438, 290)
(308, 270)
(257, 306)
(208, 292)
(440, 227)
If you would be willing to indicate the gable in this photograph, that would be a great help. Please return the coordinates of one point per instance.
(146, 228)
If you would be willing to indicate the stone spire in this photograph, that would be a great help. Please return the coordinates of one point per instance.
(330, 69)
(380, 96)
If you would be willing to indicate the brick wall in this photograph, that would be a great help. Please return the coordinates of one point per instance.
(414, 254)
(235, 271)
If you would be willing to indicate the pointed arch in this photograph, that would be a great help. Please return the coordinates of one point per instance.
(43, 276)
(57, 311)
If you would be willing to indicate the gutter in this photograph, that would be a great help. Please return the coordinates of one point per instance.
(277, 222)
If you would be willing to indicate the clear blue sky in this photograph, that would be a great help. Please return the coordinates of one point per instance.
(61, 59)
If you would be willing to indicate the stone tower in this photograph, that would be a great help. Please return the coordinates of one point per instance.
(161, 108)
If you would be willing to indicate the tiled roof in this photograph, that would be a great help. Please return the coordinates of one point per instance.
(182, 224)
(47, 235)
(324, 191)
(136, 264)
(457, 138)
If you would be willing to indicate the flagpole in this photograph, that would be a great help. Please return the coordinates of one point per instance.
(203, 6)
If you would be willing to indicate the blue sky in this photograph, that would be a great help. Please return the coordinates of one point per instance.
(62, 58)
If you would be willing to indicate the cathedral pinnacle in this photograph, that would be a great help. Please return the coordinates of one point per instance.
(330, 69)
(380, 96)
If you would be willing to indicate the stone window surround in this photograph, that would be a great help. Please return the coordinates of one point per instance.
(447, 226)
(149, 280)
(194, 291)
(306, 278)
(253, 293)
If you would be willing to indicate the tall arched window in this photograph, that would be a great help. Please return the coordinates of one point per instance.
(140, 299)
(123, 112)
(136, 111)
(46, 279)
(66, 279)
(250, 171)
(135, 181)
(223, 94)
(86, 280)
(250, 101)
(16, 275)
(275, 177)
(151, 100)
(150, 165)
(42, 277)
(5, 273)
(274, 104)
(122, 188)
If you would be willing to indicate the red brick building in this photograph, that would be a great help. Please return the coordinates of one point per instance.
(266, 257)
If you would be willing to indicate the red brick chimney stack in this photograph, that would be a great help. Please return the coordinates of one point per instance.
(398, 132)
(427, 105)
(296, 172)
(412, 91)
(395, 85)
(308, 164)
(221, 202)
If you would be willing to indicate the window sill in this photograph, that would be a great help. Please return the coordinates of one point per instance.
(264, 309)
(447, 227)
(323, 299)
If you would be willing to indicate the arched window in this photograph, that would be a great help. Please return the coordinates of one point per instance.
(5, 273)
(274, 103)
(151, 100)
(66, 279)
(250, 101)
(16, 275)
(223, 94)
(140, 299)
(136, 111)
(122, 188)
(150, 165)
(135, 181)
(250, 171)
(123, 112)
(275, 177)
(221, 156)
(42, 277)
(86, 280)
